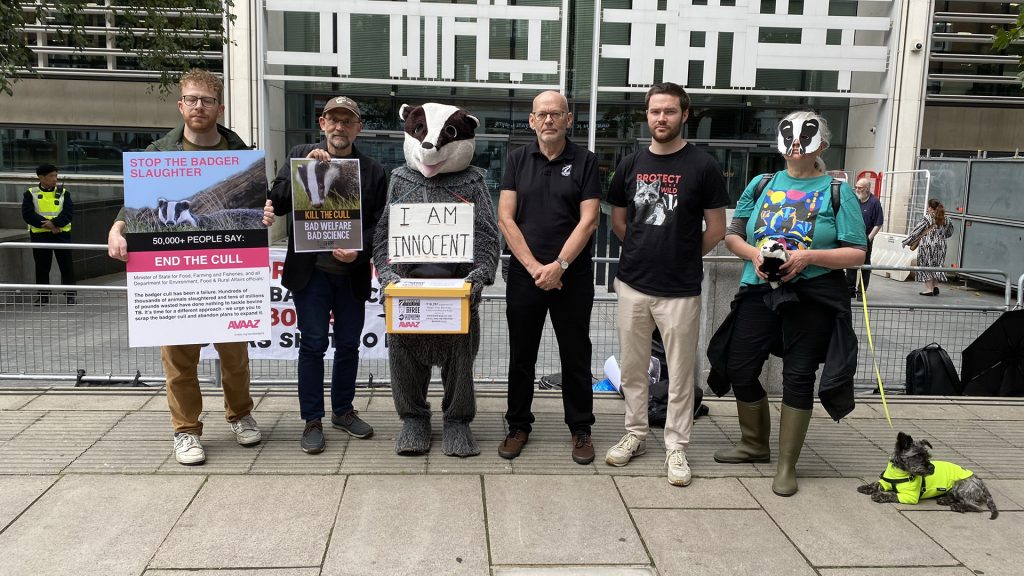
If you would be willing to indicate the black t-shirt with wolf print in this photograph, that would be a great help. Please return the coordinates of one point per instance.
(665, 197)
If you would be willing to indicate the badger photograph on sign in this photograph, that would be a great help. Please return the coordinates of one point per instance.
(189, 191)
(326, 205)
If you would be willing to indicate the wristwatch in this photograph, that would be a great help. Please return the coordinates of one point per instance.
(562, 263)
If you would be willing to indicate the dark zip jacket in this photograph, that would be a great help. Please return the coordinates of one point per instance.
(298, 266)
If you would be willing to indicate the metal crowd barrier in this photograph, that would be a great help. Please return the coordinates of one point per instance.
(87, 343)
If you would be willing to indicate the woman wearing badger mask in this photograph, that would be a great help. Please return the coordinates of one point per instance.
(802, 312)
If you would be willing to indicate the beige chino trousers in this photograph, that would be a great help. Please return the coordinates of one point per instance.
(678, 320)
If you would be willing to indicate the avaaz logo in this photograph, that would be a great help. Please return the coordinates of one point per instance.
(567, 170)
(241, 324)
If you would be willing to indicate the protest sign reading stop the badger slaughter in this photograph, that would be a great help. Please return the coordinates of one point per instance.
(198, 260)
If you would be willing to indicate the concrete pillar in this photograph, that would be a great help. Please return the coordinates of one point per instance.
(241, 63)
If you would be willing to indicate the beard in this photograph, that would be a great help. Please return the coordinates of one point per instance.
(673, 133)
(201, 124)
(339, 141)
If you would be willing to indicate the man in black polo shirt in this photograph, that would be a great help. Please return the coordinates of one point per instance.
(548, 209)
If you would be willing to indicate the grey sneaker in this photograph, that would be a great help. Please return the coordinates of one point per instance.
(188, 450)
(246, 431)
(313, 437)
(678, 468)
(353, 424)
(629, 446)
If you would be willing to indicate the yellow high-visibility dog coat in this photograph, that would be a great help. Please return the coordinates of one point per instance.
(910, 489)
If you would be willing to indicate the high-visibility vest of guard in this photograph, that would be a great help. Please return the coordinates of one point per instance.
(48, 205)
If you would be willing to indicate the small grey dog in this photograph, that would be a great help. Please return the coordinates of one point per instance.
(912, 476)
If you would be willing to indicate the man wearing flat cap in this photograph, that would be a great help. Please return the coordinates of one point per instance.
(335, 282)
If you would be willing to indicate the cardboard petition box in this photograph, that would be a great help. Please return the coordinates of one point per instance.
(427, 306)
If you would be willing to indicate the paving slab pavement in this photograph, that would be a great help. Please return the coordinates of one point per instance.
(88, 485)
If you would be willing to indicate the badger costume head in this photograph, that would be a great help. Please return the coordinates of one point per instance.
(805, 128)
(438, 138)
(773, 255)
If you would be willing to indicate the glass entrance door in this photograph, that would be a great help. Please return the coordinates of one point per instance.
(733, 162)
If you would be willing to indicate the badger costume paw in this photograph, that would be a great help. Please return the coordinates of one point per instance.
(414, 439)
(457, 440)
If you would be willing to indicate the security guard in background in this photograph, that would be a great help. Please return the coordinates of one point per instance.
(47, 209)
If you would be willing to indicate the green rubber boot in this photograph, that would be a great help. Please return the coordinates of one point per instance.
(755, 426)
(792, 430)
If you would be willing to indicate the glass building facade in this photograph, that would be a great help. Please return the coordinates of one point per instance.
(736, 126)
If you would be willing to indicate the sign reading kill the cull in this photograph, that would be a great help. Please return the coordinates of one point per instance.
(326, 205)
(198, 257)
(430, 232)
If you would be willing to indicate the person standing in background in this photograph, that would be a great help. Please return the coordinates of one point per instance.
(48, 210)
(871, 209)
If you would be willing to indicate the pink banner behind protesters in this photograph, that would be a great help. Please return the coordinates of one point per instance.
(181, 260)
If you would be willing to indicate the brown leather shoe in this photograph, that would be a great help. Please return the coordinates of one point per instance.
(513, 444)
(582, 448)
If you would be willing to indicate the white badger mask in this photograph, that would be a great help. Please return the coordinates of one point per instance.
(803, 128)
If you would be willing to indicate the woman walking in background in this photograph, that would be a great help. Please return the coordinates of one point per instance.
(929, 238)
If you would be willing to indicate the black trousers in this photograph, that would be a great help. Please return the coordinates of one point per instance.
(526, 309)
(851, 273)
(44, 257)
(802, 330)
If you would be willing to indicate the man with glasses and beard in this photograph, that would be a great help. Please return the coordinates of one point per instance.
(331, 283)
(200, 106)
(547, 211)
(661, 198)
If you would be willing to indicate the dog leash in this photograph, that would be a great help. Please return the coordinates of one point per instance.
(871, 345)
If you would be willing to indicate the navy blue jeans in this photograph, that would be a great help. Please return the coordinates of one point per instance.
(326, 294)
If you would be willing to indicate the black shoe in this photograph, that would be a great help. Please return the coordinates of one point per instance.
(313, 437)
(935, 291)
(353, 424)
(72, 299)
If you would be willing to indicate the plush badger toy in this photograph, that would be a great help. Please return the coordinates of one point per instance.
(773, 255)
(439, 145)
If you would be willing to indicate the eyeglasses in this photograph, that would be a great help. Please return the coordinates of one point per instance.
(555, 116)
(193, 101)
(331, 123)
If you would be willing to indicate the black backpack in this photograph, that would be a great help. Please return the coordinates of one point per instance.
(930, 372)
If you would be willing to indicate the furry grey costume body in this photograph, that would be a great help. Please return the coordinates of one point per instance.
(412, 356)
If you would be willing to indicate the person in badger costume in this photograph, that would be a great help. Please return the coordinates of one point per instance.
(439, 145)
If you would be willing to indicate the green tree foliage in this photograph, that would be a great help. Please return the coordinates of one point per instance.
(165, 35)
(1004, 37)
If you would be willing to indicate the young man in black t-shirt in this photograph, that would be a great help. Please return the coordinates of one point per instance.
(548, 210)
(660, 199)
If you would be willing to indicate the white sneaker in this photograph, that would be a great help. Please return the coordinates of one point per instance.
(188, 450)
(246, 431)
(629, 446)
(678, 468)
